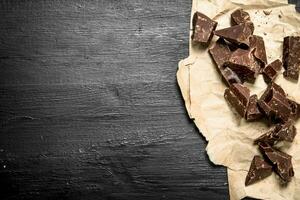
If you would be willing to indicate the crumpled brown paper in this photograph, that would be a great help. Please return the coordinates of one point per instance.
(230, 138)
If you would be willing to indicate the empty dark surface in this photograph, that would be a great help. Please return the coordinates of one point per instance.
(90, 107)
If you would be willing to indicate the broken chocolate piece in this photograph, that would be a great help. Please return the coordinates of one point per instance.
(240, 16)
(269, 137)
(253, 113)
(276, 88)
(203, 28)
(287, 131)
(259, 169)
(280, 132)
(220, 53)
(238, 97)
(243, 63)
(274, 103)
(291, 57)
(271, 70)
(257, 43)
(281, 161)
(238, 34)
(295, 109)
(230, 76)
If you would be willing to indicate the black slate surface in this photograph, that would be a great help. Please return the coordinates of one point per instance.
(90, 107)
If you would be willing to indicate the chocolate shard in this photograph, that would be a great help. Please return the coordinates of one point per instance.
(257, 43)
(287, 131)
(238, 97)
(238, 34)
(280, 132)
(259, 169)
(220, 53)
(268, 137)
(281, 161)
(270, 71)
(243, 63)
(203, 28)
(240, 16)
(295, 109)
(291, 57)
(274, 103)
(253, 112)
(230, 76)
(275, 87)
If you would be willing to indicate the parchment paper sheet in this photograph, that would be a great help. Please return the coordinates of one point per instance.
(230, 138)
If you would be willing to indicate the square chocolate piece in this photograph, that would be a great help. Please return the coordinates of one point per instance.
(203, 28)
(291, 57)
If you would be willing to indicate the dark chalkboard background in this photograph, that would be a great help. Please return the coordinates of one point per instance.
(90, 107)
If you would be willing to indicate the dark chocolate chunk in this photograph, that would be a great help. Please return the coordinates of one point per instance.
(274, 103)
(291, 57)
(230, 76)
(240, 16)
(276, 88)
(270, 71)
(257, 43)
(280, 132)
(238, 97)
(203, 28)
(265, 109)
(220, 53)
(281, 161)
(259, 169)
(253, 113)
(243, 63)
(238, 34)
(287, 131)
(269, 137)
(295, 109)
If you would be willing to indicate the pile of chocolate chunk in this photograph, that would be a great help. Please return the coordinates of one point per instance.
(240, 57)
